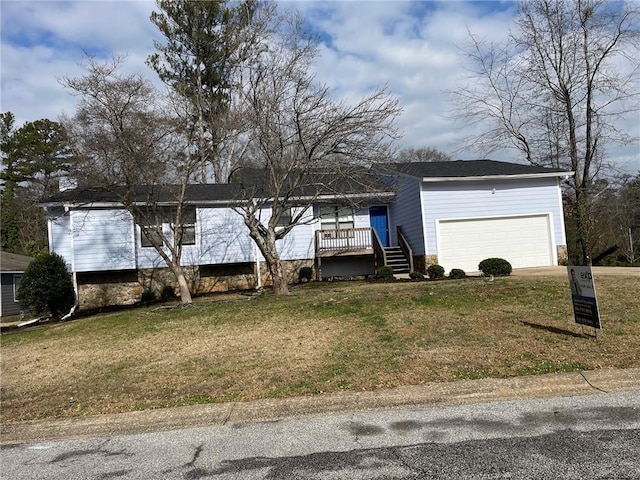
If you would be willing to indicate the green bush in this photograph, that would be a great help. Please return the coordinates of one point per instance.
(435, 271)
(495, 266)
(384, 273)
(305, 274)
(46, 286)
(148, 296)
(416, 276)
(456, 274)
(167, 293)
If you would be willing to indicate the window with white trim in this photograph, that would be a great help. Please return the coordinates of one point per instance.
(189, 226)
(285, 218)
(154, 232)
(16, 286)
(167, 217)
(339, 219)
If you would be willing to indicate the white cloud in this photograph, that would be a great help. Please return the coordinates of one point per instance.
(411, 47)
(45, 40)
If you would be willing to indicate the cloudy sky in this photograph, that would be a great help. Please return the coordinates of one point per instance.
(412, 47)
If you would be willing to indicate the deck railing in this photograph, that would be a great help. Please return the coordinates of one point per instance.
(344, 240)
(406, 248)
(379, 253)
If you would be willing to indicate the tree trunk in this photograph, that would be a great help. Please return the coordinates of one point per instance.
(185, 293)
(582, 227)
(278, 277)
(265, 239)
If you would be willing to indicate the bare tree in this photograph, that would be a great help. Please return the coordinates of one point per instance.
(128, 143)
(421, 154)
(556, 90)
(303, 143)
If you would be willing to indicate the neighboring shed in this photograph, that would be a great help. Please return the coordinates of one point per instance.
(12, 267)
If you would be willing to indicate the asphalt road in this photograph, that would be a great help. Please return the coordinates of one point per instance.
(593, 436)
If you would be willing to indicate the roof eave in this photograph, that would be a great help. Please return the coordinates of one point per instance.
(320, 198)
(496, 177)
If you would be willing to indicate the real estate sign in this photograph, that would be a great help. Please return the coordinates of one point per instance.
(583, 295)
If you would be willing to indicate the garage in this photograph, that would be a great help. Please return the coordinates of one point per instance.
(524, 241)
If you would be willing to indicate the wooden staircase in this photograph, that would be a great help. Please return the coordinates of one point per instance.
(396, 259)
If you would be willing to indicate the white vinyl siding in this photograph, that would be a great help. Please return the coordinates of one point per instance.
(298, 243)
(60, 236)
(223, 237)
(524, 241)
(108, 239)
(102, 240)
(405, 212)
(361, 218)
(491, 198)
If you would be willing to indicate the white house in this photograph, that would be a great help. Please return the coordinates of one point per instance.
(458, 213)
(112, 261)
(451, 213)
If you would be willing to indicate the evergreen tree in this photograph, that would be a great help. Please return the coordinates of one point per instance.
(46, 286)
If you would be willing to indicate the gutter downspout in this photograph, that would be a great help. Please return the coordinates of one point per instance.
(74, 277)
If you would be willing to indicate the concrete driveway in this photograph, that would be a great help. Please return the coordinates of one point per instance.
(562, 272)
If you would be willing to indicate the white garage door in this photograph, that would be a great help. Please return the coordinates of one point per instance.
(522, 241)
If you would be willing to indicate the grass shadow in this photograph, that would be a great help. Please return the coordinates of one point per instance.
(559, 331)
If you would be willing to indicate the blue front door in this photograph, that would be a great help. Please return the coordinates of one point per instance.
(378, 221)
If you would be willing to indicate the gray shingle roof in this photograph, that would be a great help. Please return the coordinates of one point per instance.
(248, 182)
(468, 168)
(11, 262)
(195, 194)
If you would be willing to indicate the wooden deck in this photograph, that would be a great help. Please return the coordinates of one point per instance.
(351, 241)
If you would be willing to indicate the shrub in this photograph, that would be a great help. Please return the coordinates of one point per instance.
(148, 296)
(305, 274)
(384, 273)
(167, 293)
(46, 286)
(435, 271)
(456, 274)
(416, 276)
(495, 266)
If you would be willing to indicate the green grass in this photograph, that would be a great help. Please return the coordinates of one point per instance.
(324, 337)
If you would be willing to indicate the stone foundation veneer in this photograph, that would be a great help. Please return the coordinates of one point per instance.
(92, 296)
(103, 289)
(563, 255)
(422, 262)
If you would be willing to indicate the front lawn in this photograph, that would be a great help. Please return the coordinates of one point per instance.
(325, 337)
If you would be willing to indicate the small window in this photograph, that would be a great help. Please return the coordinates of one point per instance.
(155, 234)
(285, 218)
(16, 286)
(159, 219)
(188, 227)
(189, 235)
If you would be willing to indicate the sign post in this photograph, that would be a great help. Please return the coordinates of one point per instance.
(583, 296)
